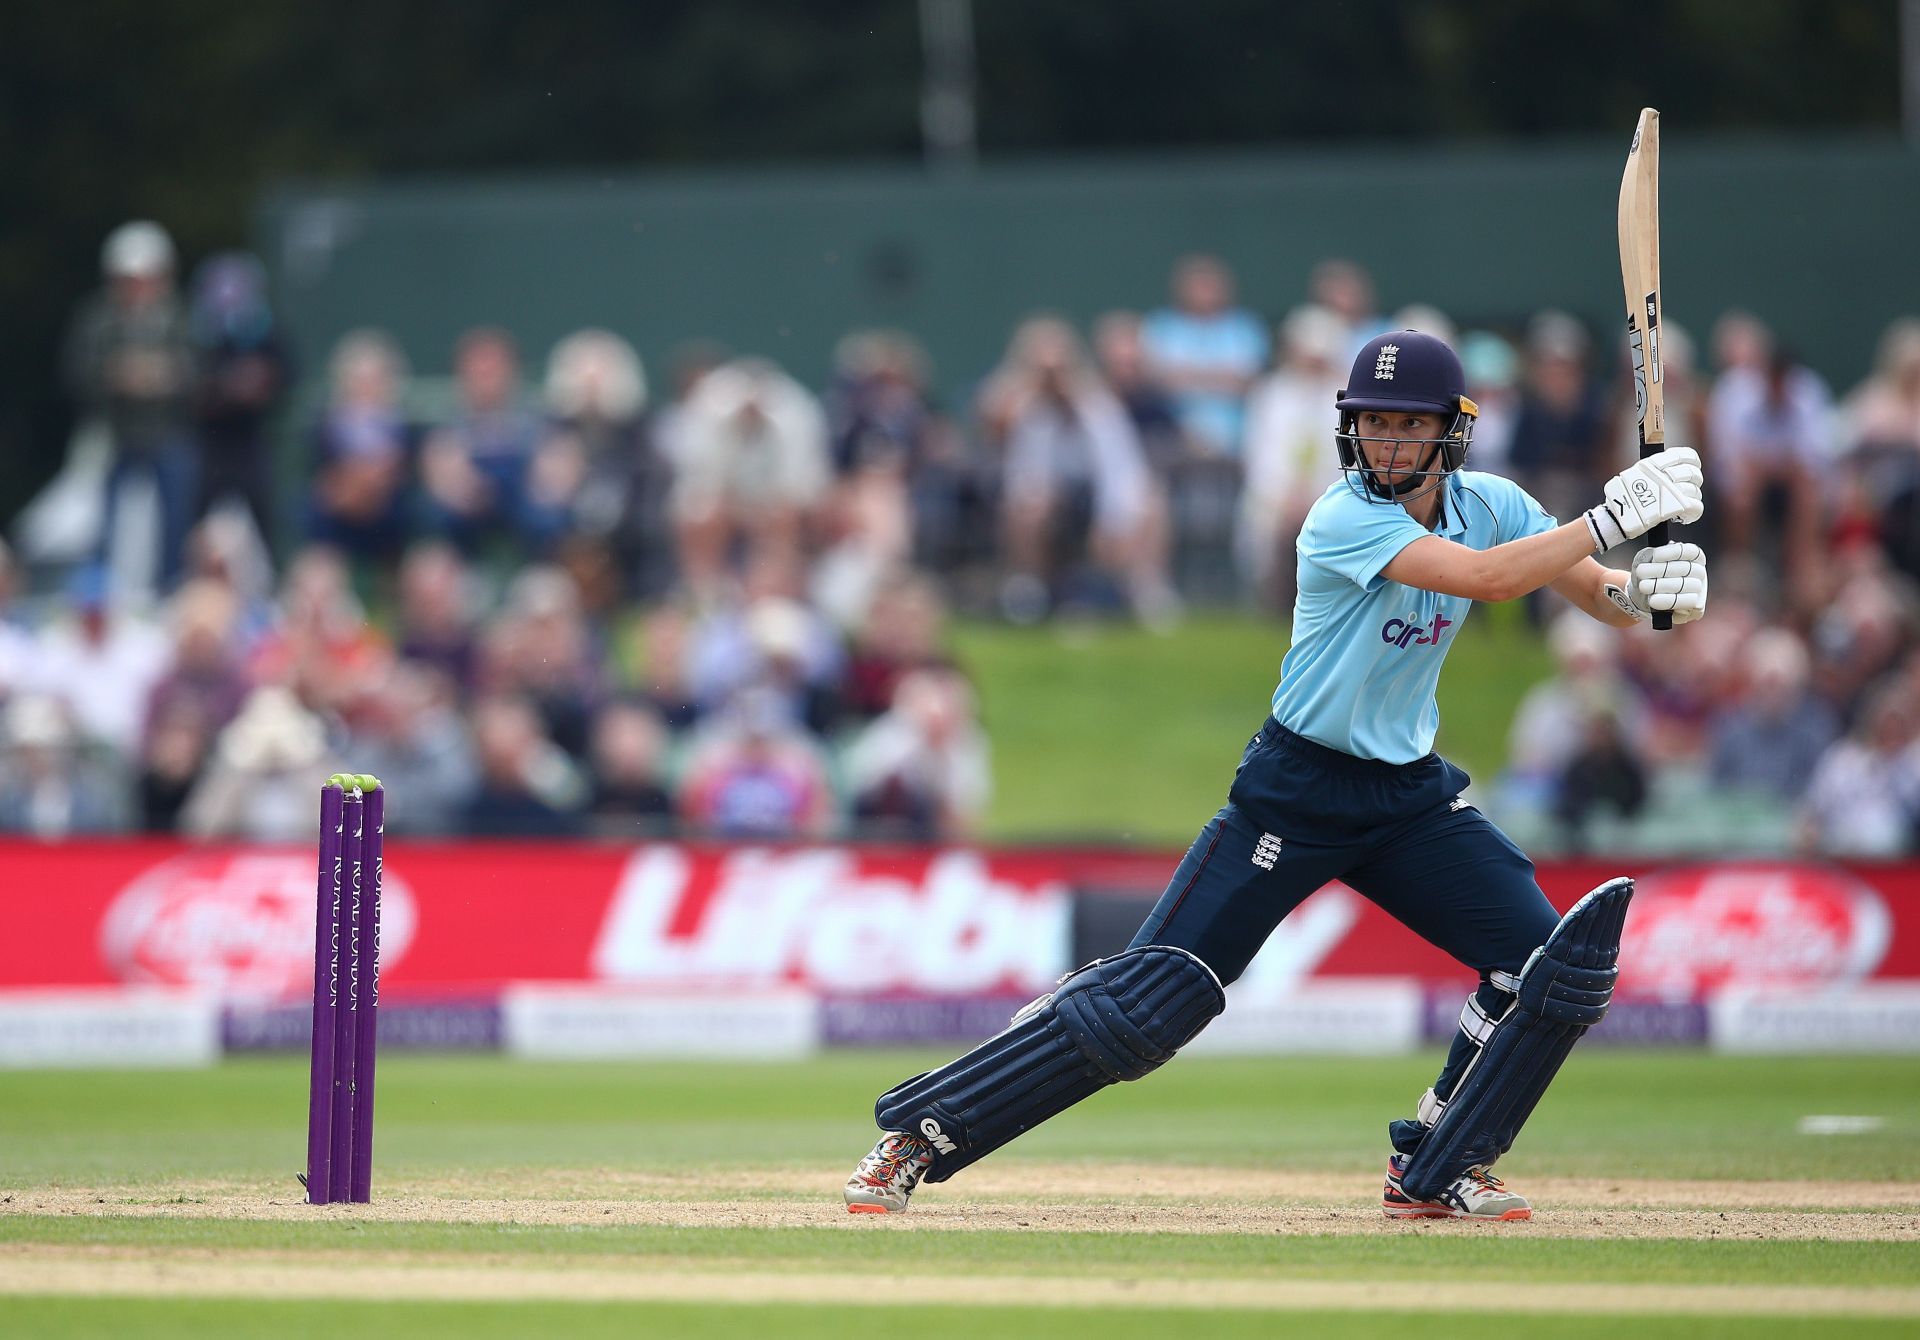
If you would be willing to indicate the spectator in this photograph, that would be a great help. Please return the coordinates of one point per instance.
(1768, 437)
(527, 785)
(1741, 341)
(1605, 774)
(405, 727)
(1681, 680)
(629, 773)
(1075, 479)
(102, 665)
(1561, 448)
(129, 364)
(259, 783)
(226, 550)
(178, 740)
(905, 484)
(878, 408)
(436, 615)
(541, 651)
(751, 773)
(659, 657)
(19, 655)
(692, 361)
(904, 631)
(921, 771)
(1867, 622)
(593, 571)
(1119, 343)
(1493, 373)
(1290, 459)
(1346, 290)
(362, 449)
(48, 788)
(243, 377)
(1206, 352)
(1770, 738)
(324, 647)
(1865, 791)
(1881, 435)
(1883, 412)
(1552, 725)
(596, 463)
(1427, 319)
(754, 469)
(204, 677)
(477, 467)
(769, 636)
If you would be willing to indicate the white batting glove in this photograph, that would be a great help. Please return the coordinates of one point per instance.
(1667, 578)
(1662, 487)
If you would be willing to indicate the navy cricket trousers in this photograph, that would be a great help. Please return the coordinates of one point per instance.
(1300, 815)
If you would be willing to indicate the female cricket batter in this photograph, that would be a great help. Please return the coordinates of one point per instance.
(1341, 782)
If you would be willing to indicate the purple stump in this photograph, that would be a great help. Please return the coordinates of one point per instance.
(367, 1039)
(346, 1031)
(326, 1001)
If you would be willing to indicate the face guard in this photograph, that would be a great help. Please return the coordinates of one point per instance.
(1443, 455)
(1405, 372)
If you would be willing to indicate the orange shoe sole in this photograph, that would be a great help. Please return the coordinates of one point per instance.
(1400, 1212)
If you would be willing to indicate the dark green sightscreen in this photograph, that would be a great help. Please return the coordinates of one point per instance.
(782, 262)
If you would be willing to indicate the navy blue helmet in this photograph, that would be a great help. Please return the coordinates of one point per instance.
(1405, 372)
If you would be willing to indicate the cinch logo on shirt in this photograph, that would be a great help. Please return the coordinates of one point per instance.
(1402, 631)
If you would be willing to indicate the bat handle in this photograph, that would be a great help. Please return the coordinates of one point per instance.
(1662, 619)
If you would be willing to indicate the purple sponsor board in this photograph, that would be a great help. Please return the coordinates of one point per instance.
(1629, 1023)
(885, 1021)
(442, 1026)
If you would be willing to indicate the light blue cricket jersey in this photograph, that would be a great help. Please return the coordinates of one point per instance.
(1365, 662)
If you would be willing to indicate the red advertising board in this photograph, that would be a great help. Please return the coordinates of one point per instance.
(465, 919)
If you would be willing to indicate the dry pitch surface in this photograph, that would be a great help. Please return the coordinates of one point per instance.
(1015, 1198)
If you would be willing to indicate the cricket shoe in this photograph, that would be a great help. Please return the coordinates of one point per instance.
(887, 1176)
(1474, 1194)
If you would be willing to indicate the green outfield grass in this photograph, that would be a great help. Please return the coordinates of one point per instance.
(1116, 1256)
(1639, 1114)
(1160, 720)
(167, 1157)
(50, 1319)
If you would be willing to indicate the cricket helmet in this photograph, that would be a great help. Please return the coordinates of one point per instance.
(1405, 372)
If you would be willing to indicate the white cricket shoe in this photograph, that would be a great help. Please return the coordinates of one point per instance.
(1475, 1194)
(887, 1176)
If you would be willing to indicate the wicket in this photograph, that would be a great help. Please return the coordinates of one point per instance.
(346, 991)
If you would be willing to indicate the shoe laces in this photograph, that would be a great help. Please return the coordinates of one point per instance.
(1483, 1175)
(896, 1153)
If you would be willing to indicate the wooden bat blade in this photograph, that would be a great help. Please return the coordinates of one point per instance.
(1640, 278)
(1640, 275)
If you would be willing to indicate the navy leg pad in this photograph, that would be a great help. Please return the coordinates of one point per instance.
(1564, 991)
(1116, 1019)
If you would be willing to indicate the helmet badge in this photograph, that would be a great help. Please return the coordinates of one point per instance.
(1383, 365)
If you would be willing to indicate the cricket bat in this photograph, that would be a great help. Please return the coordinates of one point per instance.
(1640, 272)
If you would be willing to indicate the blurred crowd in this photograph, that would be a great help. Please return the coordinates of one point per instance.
(574, 597)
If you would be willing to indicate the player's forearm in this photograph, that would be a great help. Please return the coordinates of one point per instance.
(1610, 602)
(1508, 571)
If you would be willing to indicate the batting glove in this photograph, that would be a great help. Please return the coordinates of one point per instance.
(1654, 489)
(1672, 579)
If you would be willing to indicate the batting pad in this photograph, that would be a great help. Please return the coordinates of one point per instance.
(1563, 991)
(1116, 1019)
